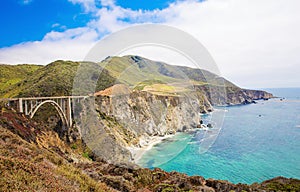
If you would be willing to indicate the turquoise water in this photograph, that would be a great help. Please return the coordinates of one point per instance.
(256, 142)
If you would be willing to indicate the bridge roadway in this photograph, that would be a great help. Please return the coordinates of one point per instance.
(30, 105)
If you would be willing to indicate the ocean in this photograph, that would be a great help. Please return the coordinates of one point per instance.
(255, 142)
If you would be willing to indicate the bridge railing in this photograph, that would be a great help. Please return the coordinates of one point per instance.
(29, 105)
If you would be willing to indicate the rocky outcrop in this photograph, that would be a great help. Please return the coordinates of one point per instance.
(245, 96)
(128, 119)
(257, 94)
(222, 96)
(130, 179)
(103, 134)
(146, 113)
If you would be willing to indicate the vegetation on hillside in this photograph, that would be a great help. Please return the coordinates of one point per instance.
(58, 78)
(132, 70)
(11, 77)
(140, 73)
(32, 159)
(55, 79)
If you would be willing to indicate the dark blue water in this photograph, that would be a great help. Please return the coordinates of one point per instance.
(256, 142)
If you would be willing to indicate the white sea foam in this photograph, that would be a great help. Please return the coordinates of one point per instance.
(146, 144)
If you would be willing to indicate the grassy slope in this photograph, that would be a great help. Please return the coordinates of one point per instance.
(55, 79)
(11, 76)
(132, 72)
(144, 74)
(36, 160)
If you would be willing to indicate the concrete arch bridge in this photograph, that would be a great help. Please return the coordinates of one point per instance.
(29, 106)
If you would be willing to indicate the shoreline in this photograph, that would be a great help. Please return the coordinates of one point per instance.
(146, 144)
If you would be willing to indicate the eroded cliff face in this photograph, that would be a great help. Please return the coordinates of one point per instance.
(103, 134)
(123, 118)
(119, 118)
(257, 94)
(224, 96)
(145, 113)
(246, 96)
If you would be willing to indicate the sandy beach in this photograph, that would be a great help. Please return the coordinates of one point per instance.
(146, 144)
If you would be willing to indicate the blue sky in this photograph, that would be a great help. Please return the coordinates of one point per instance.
(30, 20)
(254, 43)
(144, 4)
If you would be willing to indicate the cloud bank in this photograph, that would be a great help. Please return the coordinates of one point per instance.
(255, 43)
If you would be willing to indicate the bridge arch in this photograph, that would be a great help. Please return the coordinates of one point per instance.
(58, 109)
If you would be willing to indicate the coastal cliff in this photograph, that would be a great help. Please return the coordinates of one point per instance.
(135, 99)
(231, 95)
(34, 159)
(123, 119)
(152, 114)
(131, 119)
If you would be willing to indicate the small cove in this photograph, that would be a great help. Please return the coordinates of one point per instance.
(257, 142)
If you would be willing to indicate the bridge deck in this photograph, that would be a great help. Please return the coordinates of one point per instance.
(43, 98)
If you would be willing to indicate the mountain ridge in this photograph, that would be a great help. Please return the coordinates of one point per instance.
(57, 77)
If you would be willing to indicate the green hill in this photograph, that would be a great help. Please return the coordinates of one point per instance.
(54, 79)
(57, 78)
(12, 76)
(158, 77)
(132, 70)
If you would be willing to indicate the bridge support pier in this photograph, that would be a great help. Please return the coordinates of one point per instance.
(26, 107)
(20, 105)
(69, 115)
(29, 106)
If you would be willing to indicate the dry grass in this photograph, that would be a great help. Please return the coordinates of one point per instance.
(26, 166)
(165, 89)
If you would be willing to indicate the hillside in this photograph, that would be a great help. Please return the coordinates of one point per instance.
(11, 77)
(139, 72)
(164, 79)
(54, 79)
(32, 159)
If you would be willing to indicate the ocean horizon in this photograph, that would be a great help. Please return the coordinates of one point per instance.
(256, 142)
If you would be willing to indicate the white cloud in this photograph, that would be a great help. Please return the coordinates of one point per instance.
(73, 44)
(110, 3)
(58, 26)
(88, 5)
(255, 43)
(26, 2)
(55, 25)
